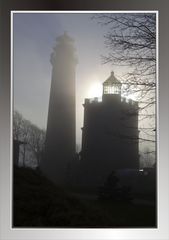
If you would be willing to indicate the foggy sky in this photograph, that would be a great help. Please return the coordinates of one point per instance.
(34, 37)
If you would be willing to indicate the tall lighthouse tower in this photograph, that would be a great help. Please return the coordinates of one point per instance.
(60, 136)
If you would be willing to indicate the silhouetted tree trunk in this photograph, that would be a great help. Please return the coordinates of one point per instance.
(23, 158)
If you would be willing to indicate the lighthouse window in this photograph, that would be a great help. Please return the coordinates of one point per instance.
(113, 89)
(116, 89)
(105, 89)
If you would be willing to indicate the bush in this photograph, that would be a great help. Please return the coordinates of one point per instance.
(112, 191)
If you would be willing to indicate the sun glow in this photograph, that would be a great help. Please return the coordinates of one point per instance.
(95, 90)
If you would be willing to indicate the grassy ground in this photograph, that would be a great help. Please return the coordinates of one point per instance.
(39, 203)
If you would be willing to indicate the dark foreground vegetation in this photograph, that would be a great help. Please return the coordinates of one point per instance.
(39, 203)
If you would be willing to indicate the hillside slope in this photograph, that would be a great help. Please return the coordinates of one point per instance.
(39, 203)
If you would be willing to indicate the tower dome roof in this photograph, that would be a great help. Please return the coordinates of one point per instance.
(65, 38)
(112, 80)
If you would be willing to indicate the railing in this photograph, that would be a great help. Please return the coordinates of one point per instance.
(99, 99)
(129, 101)
(93, 100)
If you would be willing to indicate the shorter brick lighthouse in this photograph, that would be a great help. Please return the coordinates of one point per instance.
(109, 134)
(60, 135)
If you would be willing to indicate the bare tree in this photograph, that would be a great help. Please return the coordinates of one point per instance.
(37, 142)
(17, 125)
(131, 44)
(26, 127)
(31, 135)
(147, 157)
(20, 132)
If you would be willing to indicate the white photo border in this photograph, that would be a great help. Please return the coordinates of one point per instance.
(162, 232)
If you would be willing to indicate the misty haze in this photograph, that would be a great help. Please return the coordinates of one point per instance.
(84, 120)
